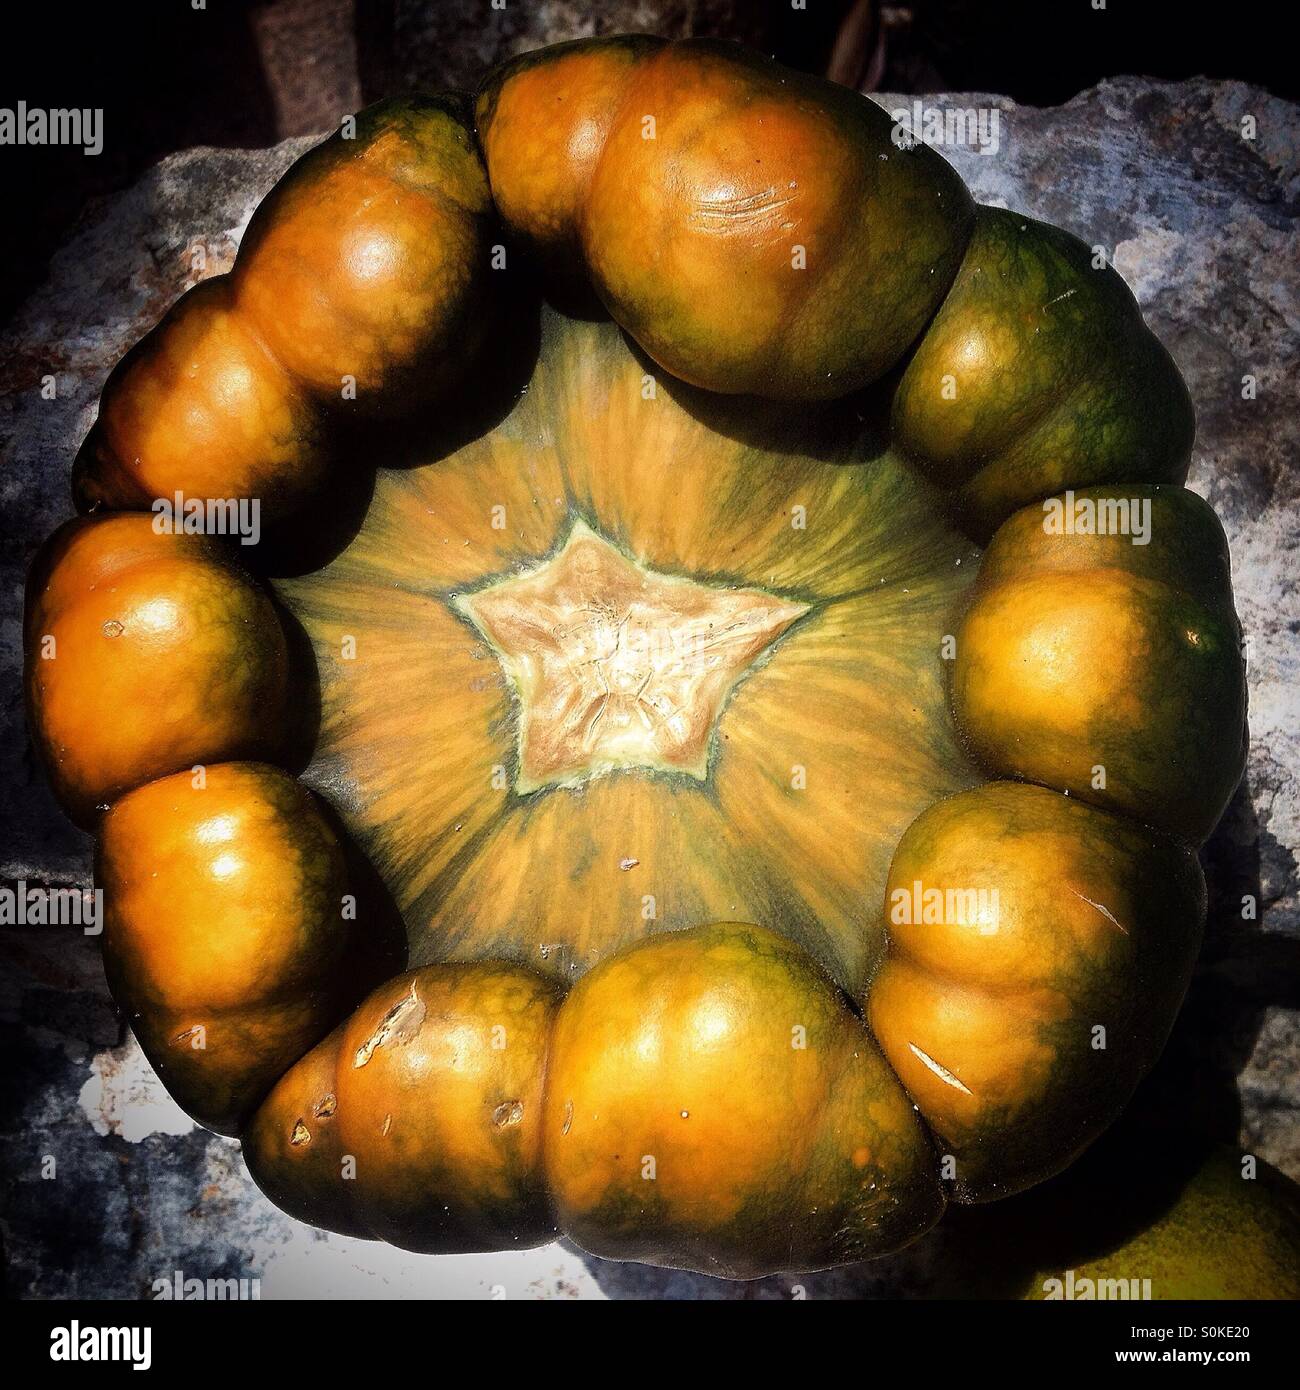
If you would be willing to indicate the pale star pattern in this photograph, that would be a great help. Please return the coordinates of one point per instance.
(616, 666)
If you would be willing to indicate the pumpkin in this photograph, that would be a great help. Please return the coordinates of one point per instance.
(759, 893)
(1197, 1223)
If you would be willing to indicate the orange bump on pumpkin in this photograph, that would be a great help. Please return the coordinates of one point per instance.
(147, 653)
(227, 930)
(433, 1092)
(1037, 982)
(755, 230)
(1109, 665)
(362, 283)
(713, 1104)
(370, 265)
(543, 126)
(201, 407)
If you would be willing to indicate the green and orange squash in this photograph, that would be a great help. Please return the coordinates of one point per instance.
(677, 703)
(1192, 1221)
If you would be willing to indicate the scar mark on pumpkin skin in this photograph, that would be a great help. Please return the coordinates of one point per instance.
(1104, 910)
(509, 1112)
(301, 1135)
(1064, 295)
(940, 1071)
(399, 1025)
(740, 210)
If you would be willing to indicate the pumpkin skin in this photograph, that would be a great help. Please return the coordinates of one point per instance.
(433, 1089)
(794, 817)
(293, 1148)
(368, 264)
(1164, 714)
(803, 273)
(641, 655)
(1225, 1237)
(222, 1013)
(645, 1141)
(1038, 374)
(542, 164)
(1193, 1225)
(990, 1024)
(168, 634)
(465, 1132)
(372, 262)
(200, 406)
(713, 1104)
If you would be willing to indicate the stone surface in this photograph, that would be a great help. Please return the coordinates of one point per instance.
(1201, 222)
(454, 42)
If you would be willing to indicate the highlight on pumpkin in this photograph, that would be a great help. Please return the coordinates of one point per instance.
(785, 788)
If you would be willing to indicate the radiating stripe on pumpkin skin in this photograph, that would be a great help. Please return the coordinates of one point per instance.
(555, 861)
(678, 495)
(871, 666)
(684, 498)
(430, 530)
(403, 775)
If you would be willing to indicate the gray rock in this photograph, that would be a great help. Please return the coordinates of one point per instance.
(1201, 221)
(453, 43)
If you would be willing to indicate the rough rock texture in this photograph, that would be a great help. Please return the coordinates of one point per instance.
(452, 43)
(1203, 224)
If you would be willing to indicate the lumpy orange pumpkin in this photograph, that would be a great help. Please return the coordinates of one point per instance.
(792, 830)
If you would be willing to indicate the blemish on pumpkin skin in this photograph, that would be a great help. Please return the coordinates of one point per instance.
(939, 1070)
(325, 1107)
(399, 1025)
(508, 1113)
(387, 1125)
(1103, 909)
(568, 1117)
(301, 1135)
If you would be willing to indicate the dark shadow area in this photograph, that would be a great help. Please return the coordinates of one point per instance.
(1044, 55)
(380, 943)
(849, 429)
(498, 377)
(311, 538)
(304, 700)
(165, 76)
